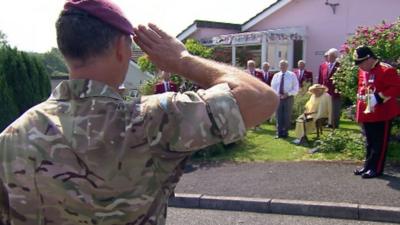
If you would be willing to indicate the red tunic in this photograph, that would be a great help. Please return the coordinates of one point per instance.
(384, 79)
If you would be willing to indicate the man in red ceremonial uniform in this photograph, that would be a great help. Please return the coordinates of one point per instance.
(325, 78)
(166, 84)
(302, 74)
(378, 88)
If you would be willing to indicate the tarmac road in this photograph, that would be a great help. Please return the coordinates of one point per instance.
(311, 181)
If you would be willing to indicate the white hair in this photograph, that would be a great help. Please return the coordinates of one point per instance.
(333, 51)
(250, 61)
(283, 62)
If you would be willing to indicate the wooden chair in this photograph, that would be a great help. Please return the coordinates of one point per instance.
(319, 125)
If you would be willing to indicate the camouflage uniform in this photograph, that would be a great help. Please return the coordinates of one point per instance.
(85, 156)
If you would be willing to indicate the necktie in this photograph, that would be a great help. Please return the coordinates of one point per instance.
(281, 85)
(330, 68)
(166, 86)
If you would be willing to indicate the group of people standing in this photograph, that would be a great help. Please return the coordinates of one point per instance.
(377, 105)
(287, 85)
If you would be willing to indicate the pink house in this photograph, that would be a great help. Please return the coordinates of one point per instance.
(294, 29)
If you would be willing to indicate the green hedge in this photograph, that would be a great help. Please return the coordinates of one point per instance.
(24, 82)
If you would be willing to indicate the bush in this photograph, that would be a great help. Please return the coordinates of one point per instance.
(384, 39)
(147, 88)
(341, 141)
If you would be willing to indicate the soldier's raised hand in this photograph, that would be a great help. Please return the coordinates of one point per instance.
(163, 49)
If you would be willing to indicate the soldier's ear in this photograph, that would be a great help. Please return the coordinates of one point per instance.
(122, 48)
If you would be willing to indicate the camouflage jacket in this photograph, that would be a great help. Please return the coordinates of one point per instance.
(85, 156)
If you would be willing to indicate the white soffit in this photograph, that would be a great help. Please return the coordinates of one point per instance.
(265, 14)
(188, 32)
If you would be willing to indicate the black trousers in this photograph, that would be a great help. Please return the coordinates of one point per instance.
(283, 116)
(377, 138)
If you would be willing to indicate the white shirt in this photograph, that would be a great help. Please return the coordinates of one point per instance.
(330, 67)
(290, 86)
(166, 86)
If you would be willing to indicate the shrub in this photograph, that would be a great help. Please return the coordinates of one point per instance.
(384, 39)
(341, 141)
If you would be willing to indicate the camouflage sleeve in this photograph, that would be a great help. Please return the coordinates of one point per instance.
(193, 120)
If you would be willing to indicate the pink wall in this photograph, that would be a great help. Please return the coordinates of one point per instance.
(327, 30)
(210, 32)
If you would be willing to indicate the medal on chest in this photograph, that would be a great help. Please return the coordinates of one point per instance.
(367, 91)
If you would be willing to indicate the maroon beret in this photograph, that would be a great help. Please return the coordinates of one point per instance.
(104, 10)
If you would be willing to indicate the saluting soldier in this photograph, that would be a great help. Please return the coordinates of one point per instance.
(378, 88)
(86, 156)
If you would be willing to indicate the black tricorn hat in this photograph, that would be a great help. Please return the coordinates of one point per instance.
(362, 53)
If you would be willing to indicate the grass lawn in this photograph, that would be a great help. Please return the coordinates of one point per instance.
(261, 146)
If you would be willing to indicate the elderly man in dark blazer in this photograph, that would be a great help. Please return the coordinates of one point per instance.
(326, 75)
(302, 74)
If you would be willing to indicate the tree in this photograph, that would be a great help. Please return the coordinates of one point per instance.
(43, 79)
(54, 62)
(8, 109)
(3, 39)
(24, 82)
(17, 78)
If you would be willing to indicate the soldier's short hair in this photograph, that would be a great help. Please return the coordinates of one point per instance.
(81, 36)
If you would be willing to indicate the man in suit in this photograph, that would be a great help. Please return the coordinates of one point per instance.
(327, 72)
(267, 75)
(251, 69)
(286, 85)
(302, 74)
(166, 84)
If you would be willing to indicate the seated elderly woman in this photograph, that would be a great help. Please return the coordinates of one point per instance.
(317, 107)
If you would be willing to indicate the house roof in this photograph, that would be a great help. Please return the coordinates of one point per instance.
(265, 13)
(278, 4)
(206, 24)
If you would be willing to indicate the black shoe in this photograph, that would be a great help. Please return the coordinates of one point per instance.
(369, 174)
(360, 171)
